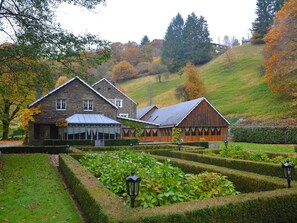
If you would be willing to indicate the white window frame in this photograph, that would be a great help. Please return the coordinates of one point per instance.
(61, 104)
(124, 115)
(88, 105)
(117, 102)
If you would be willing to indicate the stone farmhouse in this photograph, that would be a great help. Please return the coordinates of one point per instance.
(77, 111)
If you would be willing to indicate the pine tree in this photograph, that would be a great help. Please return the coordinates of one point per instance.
(172, 53)
(196, 40)
(265, 11)
(144, 40)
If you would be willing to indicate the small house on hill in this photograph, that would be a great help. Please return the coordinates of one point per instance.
(196, 118)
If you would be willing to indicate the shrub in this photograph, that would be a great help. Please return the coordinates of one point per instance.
(162, 184)
(264, 134)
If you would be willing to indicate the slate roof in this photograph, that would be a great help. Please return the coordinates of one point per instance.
(141, 112)
(104, 79)
(90, 119)
(173, 115)
(66, 83)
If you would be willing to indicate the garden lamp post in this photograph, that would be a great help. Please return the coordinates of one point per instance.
(179, 145)
(226, 144)
(131, 145)
(132, 183)
(288, 169)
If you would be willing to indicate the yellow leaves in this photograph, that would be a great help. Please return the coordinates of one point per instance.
(61, 122)
(281, 50)
(194, 86)
(27, 116)
(123, 70)
(61, 80)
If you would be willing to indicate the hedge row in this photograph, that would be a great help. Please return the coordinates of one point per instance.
(99, 205)
(135, 147)
(264, 134)
(110, 142)
(245, 182)
(35, 149)
(269, 169)
(198, 144)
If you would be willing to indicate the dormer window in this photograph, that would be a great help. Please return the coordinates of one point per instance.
(88, 105)
(61, 104)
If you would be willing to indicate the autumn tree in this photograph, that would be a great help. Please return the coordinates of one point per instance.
(281, 51)
(193, 86)
(61, 80)
(31, 26)
(132, 55)
(19, 79)
(122, 71)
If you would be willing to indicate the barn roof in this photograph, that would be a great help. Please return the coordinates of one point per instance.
(90, 119)
(143, 111)
(175, 114)
(66, 83)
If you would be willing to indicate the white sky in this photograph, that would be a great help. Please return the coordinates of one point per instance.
(130, 20)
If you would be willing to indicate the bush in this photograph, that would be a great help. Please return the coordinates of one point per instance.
(35, 149)
(264, 134)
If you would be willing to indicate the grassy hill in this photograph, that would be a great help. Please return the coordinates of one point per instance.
(236, 89)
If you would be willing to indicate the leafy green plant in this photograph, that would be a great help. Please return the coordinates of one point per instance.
(161, 184)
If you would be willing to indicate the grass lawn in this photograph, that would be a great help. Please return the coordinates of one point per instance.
(262, 147)
(31, 190)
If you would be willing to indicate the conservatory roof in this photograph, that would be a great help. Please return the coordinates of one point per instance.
(90, 119)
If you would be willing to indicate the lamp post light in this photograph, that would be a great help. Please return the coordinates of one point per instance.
(131, 145)
(226, 144)
(133, 183)
(179, 145)
(288, 169)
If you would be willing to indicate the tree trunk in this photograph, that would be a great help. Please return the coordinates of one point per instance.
(5, 128)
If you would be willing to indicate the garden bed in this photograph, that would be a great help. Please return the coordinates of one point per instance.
(266, 205)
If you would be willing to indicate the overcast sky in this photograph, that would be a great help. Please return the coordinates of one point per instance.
(130, 20)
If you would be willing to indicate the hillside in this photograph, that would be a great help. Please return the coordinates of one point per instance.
(237, 90)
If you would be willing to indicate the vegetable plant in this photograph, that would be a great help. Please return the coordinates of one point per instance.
(161, 184)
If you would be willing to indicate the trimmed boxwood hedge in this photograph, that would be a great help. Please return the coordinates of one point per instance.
(34, 149)
(99, 205)
(134, 147)
(264, 134)
(269, 169)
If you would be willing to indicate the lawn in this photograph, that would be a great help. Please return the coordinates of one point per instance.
(262, 147)
(31, 190)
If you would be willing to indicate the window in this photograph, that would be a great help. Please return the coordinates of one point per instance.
(187, 131)
(61, 104)
(117, 102)
(123, 115)
(88, 105)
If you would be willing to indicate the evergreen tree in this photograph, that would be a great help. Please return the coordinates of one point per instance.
(172, 53)
(196, 40)
(144, 40)
(265, 11)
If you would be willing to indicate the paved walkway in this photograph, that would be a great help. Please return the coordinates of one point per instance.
(11, 143)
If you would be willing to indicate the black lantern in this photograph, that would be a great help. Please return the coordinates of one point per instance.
(179, 145)
(132, 187)
(131, 145)
(226, 144)
(288, 169)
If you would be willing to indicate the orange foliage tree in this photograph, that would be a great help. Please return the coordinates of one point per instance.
(281, 51)
(122, 71)
(194, 86)
(61, 80)
(27, 116)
